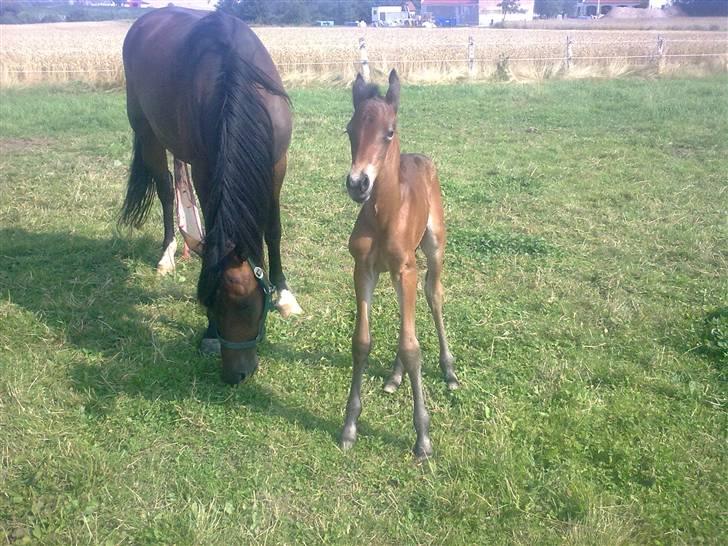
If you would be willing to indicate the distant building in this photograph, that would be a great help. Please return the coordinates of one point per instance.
(206, 5)
(402, 14)
(472, 12)
(592, 8)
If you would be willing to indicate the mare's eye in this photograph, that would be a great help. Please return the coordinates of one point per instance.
(390, 134)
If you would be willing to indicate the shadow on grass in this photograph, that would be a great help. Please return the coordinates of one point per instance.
(329, 358)
(83, 289)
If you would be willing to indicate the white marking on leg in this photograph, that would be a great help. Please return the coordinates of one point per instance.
(287, 304)
(166, 263)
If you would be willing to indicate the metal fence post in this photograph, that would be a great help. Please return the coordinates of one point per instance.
(471, 56)
(363, 59)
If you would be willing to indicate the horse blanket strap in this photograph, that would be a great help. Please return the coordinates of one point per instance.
(268, 289)
(188, 214)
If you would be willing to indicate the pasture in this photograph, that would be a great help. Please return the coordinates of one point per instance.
(586, 303)
(91, 52)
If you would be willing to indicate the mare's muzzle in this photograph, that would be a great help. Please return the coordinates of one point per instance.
(239, 366)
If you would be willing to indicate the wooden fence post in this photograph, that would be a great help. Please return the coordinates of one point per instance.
(502, 68)
(660, 54)
(471, 56)
(569, 52)
(364, 59)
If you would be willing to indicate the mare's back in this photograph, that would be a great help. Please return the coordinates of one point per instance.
(154, 40)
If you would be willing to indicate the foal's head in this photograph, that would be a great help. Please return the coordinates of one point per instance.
(372, 130)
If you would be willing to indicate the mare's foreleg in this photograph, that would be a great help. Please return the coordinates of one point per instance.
(286, 304)
(155, 158)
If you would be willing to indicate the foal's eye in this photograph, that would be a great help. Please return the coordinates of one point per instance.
(390, 134)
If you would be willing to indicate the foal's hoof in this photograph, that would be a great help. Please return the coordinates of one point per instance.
(346, 445)
(210, 346)
(452, 383)
(392, 384)
(348, 438)
(423, 450)
(287, 304)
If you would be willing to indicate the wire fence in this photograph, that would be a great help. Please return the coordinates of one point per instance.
(657, 55)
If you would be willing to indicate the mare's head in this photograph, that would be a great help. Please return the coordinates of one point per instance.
(236, 293)
(372, 129)
(239, 307)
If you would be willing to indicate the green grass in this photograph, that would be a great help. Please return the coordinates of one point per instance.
(587, 295)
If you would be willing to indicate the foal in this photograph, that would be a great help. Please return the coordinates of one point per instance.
(402, 209)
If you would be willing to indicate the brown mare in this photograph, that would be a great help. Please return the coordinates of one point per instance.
(203, 87)
(402, 210)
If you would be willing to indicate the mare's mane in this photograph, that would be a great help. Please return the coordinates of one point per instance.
(235, 133)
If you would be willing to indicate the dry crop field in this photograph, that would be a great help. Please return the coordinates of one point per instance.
(91, 52)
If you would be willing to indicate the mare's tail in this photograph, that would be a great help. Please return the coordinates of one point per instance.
(140, 190)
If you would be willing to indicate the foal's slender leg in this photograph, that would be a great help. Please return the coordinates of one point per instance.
(287, 304)
(433, 245)
(395, 380)
(365, 280)
(405, 281)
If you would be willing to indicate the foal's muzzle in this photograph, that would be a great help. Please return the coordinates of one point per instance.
(359, 187)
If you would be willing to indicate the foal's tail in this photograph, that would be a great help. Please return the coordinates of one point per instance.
(140, 190)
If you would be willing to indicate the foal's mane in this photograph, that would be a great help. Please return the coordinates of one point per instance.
(371, 91)
(234, 131)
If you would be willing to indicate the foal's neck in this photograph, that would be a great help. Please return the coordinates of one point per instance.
(387, 194)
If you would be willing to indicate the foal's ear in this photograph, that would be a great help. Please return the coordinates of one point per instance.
(358, 90)
(393, 91)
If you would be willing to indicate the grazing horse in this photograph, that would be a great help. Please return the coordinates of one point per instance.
(203, 87)
(401, 210)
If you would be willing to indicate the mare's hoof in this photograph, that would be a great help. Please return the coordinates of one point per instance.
(166, 263)
(346, 445)
(452, 384)
(210, 346)
(164, 269)
(287, 304)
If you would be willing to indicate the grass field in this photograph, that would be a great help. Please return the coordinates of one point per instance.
(91, 52)
(586, 301)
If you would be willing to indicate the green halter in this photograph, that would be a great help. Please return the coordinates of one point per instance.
(268, 290)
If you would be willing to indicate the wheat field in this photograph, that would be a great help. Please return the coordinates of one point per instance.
(91, 53)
